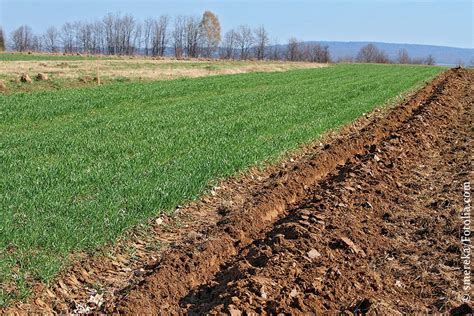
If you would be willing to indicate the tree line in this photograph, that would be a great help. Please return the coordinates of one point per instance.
(184, 37)
(181, 36)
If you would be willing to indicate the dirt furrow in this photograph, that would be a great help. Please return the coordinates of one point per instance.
(380, 233)
(310, 236)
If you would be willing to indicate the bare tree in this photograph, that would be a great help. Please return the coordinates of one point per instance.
(430, 60)
(211, 33)
(51, 39)
(179, 36)
(22, 38)
(403, 57)
(275, 51)
(68, 37)
(2, 40)
(229, 45)
(98, 40)
(317, 53)
(262, 40)
(192, 36)
(147, 33)
(244, 41)
(121, 34)
(109, 33)
(36, 43)
(293, 51)
(371, 54)
(159, 36)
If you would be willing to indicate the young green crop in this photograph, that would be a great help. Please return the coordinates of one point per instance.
(80, 166)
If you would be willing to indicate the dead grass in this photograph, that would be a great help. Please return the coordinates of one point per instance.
(67, 73)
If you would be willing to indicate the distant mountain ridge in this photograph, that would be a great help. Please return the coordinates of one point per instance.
(444, 55)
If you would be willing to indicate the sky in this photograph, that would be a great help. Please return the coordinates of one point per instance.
(444, 22)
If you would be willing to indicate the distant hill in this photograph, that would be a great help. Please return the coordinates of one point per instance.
(443, 55)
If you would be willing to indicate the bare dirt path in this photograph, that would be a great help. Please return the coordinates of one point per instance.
(369, 224)
(367, 221)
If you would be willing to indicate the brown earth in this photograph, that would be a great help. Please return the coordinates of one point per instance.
(368, 222)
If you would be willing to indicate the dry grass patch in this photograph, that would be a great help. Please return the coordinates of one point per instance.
(67, 73)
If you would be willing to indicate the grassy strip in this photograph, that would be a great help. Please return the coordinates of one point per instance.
(80, 166)
(40, 57)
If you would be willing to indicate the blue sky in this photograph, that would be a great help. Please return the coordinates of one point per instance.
(448, 23)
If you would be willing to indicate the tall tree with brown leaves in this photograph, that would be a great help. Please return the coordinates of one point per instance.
(211, 33)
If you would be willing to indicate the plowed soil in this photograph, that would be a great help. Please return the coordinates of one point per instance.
(371, 224)
(368, 222)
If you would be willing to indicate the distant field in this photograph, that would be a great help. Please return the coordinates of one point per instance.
(36, 56)
(79, 166)
(80, 71)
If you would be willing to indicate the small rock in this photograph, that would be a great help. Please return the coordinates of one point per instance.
(42, 77)
(263, 294)
(313, 253)
(234, 312)
(97, 300)
(235, 299)
(377, 158)
(352, 246)
(293, 293)
(159, 221)
(3, 86)
(368, 205)
(25, 78)
(194, 235)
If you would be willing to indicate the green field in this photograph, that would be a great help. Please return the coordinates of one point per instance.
(79, 166)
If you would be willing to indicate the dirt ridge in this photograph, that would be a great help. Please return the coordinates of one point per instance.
(189, 266)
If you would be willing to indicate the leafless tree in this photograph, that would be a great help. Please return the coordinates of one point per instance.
(51, 39)
(36, 43)
(98, 40)
(85, 37)
(159, 36)
(121, 34)
(211, 33)
(109, 33)
(179, 36)
(293, 52)
(262, 40)
(317, 53)
(192, 36)
(2, 40)
(147, 32)
(275, 51)
(229, 45)
(403, 57)
(68, 35)
(430, 60)
(22, 38)
(244, 41)
(371, 54)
